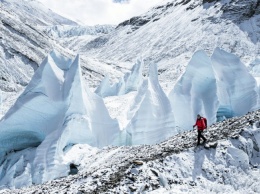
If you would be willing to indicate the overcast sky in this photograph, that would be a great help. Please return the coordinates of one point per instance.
(92, 12)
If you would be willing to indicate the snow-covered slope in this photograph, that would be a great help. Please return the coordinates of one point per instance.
(182, 27)
(32, 11)
(169, 34)
(22, 48)
(23, 45)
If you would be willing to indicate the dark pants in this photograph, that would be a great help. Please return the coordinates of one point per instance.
(200, 135)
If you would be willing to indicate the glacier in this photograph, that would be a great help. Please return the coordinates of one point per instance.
(195, 93)
(150, 115)
(24, 125)
(55, 110)
(217, 87)
(50, 96)
(130, 82)
(58, 110)
(68, 31)
(236, 88)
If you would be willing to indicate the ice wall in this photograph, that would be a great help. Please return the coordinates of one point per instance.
(134, 78)
(86, 120)
(39, 110)
(254, 68)
(195, 93)
(150, 116)
(55, 110)
(216, 88)
(130, 82)
(87, 114)
(105, 89)
(16, 169)
(237, 88)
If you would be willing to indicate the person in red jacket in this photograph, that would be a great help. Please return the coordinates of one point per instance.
(201, 124)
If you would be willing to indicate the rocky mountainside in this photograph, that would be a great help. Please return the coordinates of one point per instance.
(32, 11)
(24, 44)
(203, 24)
(169, 34)
(77, 36)
(230, 157)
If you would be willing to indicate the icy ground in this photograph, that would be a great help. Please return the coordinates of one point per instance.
(228, 163)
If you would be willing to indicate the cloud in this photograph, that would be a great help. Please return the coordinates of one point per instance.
(121, 1)
(92, 12)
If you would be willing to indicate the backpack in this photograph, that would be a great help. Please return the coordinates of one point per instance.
(205, 122)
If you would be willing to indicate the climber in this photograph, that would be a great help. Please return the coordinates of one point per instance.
(201, 124)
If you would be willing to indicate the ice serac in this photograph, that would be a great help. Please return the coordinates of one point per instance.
(150, 116)
(38, 111)
(105, 89)
(195, 92)
(55, 110)
(236, 87)
(15, 170)
(86, 120)
(135, 78)
(130, 82)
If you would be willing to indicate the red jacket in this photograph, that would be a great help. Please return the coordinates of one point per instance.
(201, 123)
